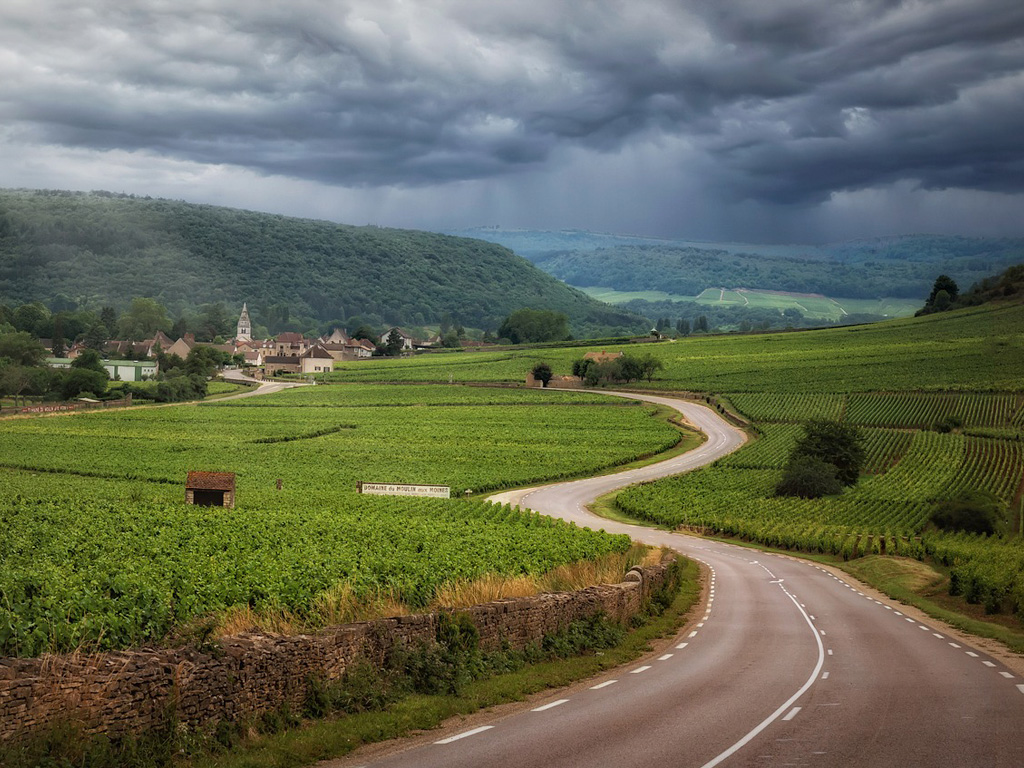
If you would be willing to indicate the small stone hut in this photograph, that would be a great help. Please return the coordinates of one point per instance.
(210, 489)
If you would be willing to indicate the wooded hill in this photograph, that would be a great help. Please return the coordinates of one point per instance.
(72, 249)
(870, 268)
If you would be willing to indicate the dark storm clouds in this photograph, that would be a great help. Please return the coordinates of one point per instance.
(776, 101)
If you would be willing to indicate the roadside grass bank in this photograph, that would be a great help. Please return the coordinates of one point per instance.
(921, 584)
(416, 689)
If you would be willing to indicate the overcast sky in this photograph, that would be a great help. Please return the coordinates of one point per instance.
(755, 120)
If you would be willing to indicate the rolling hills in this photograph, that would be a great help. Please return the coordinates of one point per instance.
(680, 271)
(89, 249)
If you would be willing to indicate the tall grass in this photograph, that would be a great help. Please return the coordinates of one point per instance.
(340, 604)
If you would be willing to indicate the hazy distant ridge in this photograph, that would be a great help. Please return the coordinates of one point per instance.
(899, 266)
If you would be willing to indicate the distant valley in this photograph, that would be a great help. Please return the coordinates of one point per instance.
(866, 279)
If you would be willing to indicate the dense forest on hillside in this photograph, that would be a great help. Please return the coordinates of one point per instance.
(71, 250)
(870, 268)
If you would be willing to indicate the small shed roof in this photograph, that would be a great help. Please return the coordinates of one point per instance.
(210, 481)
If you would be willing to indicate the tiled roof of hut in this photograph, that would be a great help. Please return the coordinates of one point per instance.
(210, 481)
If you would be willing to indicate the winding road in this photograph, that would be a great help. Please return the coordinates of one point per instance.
(787, 664)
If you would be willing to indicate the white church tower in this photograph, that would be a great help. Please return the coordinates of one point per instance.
(244, 332)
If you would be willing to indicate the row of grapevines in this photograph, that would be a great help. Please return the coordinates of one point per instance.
(110, 574)
(323, 450)
(761, 406)
(922, 410)
(986, 570)
(883, 448)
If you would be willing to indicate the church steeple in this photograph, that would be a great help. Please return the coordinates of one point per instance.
(244, 332)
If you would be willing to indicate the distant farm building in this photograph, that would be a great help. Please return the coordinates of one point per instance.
(210, 489)
(602, 356)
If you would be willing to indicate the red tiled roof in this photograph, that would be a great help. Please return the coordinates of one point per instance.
(210, 481)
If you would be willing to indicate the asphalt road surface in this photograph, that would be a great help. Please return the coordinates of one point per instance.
(789, 664)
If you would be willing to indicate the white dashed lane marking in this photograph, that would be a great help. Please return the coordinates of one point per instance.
(605, 684)
(552, 705)
(463, 735)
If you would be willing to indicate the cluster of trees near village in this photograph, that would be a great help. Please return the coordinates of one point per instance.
(23, 371)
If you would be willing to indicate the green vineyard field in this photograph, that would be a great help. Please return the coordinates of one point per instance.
(84, 571)
(100, 551)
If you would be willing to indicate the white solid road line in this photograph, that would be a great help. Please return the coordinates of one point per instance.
(788, 703)
(463, 735)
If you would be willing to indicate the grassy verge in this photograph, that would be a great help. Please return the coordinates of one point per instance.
(911, 582)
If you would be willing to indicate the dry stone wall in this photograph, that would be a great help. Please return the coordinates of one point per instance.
(246, 675)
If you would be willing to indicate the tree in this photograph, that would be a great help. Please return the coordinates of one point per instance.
(971, 511)
(108, 316)
(81, 381)
(630, 368)
(89, 360)
(21, 349)
(649, 365)
(28, 317)
(202, 361)
(944, 294)
(213, 321)
(808, 477)
(700, 325)
(837, 444)
(542, 373)
(394, 343)
(943, 283)
(143, 318)
(96, 337)
(535, 325)
(683, 326)
(58, 348)
(364, 332)
(14, 379)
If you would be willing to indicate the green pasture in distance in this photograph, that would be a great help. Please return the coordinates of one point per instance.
(811, 305)
(980, 348)
(612, 296)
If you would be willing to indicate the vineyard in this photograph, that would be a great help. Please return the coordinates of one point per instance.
(100, 551)
(976, 350)
(102, 574)
(908, 470)
(319, 449)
